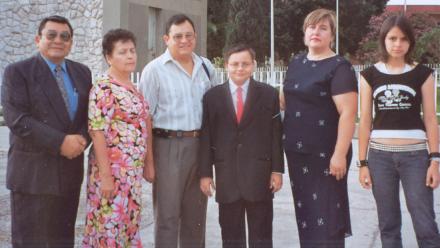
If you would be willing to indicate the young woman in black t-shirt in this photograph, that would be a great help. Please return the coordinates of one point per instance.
(398, 139)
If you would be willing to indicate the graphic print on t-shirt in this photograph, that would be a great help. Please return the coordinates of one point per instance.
(394, 97)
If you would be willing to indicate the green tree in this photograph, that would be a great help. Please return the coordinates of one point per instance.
(248, 22)
(424, 32)
(368, 51)
(353, 20)
(427, 51)
(217, 21)
(232, 21)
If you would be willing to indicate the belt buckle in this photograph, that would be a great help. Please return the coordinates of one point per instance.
(179, 134)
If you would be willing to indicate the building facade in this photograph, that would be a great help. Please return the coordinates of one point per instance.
(90, 19)
(147, 18)
(430, 7)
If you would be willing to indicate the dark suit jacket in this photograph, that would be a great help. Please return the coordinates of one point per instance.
(245, 154)
(38, 120)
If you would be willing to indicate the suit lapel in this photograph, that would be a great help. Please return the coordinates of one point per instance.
(51, 90)
(251, 99)
(229, 101)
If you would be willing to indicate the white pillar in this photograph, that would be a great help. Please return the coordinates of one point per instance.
(337, 26)
(272, 46)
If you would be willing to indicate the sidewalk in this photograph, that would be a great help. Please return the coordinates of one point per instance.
(362, 207)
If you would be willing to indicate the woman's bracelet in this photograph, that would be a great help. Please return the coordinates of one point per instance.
(434, 156)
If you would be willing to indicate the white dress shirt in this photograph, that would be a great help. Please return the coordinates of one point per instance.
(233, 88)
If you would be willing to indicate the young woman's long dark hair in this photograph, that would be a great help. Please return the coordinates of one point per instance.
(404, 25)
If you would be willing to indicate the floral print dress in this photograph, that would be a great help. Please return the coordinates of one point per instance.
(120, 112)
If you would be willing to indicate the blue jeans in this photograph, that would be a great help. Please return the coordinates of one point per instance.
(387, 169)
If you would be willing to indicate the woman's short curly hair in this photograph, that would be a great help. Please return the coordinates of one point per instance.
(113, 36)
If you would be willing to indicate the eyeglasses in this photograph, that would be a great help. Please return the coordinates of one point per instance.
(242, 65)
(52, 35)
(179, 37)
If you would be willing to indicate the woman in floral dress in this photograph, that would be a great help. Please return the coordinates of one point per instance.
(120, 128)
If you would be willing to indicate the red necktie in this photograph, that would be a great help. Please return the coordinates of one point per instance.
(239, 112)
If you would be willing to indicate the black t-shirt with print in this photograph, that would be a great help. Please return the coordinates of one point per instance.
(397, 97)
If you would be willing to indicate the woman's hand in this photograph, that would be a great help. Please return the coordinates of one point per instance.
(338, 166)
(365, 178)
(433, 175)
(149, 172)
(104, 168)
(346, 104)
(107, 186)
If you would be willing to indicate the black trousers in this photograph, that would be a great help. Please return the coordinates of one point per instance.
(259, 218)
(43, 220)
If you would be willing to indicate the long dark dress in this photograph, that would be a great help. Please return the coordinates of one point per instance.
(310, 127)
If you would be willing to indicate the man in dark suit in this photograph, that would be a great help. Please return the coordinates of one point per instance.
(241, 137)
(45, 100)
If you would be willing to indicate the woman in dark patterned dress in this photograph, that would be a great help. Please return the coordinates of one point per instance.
(320, 101)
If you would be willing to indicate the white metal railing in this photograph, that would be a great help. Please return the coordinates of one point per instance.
(263, 74)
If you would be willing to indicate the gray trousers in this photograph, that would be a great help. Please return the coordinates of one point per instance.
(179, 204)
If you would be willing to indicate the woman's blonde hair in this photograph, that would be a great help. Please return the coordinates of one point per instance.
(319, 15)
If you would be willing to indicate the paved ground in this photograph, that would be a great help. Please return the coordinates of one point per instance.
(362, 206)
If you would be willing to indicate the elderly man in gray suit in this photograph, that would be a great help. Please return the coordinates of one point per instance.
(45, 100)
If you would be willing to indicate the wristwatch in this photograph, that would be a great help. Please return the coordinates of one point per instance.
(362, 163)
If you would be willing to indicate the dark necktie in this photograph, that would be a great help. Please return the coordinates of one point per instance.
(239, 112)
(60, 81)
